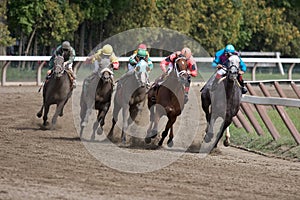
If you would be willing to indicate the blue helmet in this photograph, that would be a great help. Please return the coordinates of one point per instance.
(229, 48)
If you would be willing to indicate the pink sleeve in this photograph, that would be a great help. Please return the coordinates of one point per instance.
(163, 65)
(115, 65)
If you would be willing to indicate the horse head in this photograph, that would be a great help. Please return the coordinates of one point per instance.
(58, 66)
(141, 72)
(106, 75)
(233, 67)
(104, 70)
(180, 68)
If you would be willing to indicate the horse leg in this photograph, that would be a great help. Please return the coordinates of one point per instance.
(227, 138)
(171, 136)
(148, 135)
(62, 110)
(45, 117)
(125, 115)
(40, 113)
(205, 99)
(154, 117)
(226, 124)
(133, 110)
(57, 112)
(116, 111)
(95, 126)
(86, 117)
(165, 132)
(100, 120)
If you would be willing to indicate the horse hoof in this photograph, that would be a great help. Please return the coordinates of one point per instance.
(208, 137)
(170, 143)
(153, 133)
(147, 140)
(61, 114)
(45, 124)
(226, 143)
(99, 131)
(83, 124)
(160, 143)
(39, 114)
(93, 137)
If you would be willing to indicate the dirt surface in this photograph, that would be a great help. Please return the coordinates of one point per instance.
(38, 163)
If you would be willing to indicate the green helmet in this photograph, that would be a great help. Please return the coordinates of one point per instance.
(142, 53)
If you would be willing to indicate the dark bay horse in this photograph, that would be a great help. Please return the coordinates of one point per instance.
(96, 94)
(130, 92)
(169, 97)
(57, 90)
(221, 102)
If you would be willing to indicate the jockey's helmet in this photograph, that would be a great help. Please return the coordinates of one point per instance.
(107, 50)
(186, 52)
(66, 45)
(229, 48)
(142, 53)
(142, 46)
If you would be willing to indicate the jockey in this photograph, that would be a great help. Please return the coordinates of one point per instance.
(221, 58)
(140, 53)
(192, 66)
(68, 53)
(105, 52)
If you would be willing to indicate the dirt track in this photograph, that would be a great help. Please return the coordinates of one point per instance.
(45, 164)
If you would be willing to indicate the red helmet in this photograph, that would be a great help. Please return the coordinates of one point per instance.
(186, 52)
(142, 46)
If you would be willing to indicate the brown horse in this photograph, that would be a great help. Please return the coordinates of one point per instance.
(220, 102)
(130, 92)
(57, 90)
(96, 95)
(170, 97)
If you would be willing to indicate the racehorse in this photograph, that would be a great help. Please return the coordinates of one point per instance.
(170, 97)
(96, 93)
(221, 100)
(57, 90)
(130, 92)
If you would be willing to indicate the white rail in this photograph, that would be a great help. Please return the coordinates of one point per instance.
(255, 61)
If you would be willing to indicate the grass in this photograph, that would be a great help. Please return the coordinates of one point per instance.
(285, 146)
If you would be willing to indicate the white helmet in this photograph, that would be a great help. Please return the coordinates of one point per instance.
(66, 45)
(186, 52)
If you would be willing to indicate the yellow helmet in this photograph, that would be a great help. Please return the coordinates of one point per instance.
(186, 52)
(107, 50)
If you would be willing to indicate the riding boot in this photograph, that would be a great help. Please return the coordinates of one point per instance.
(186, 97)
(49, 75)
(187, 89)
(74, 83)
(241, 81)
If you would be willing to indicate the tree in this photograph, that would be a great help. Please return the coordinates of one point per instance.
(216, 23)
(49, 20)
(5, 38)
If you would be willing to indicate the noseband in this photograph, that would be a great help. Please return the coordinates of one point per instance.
(179, 62)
